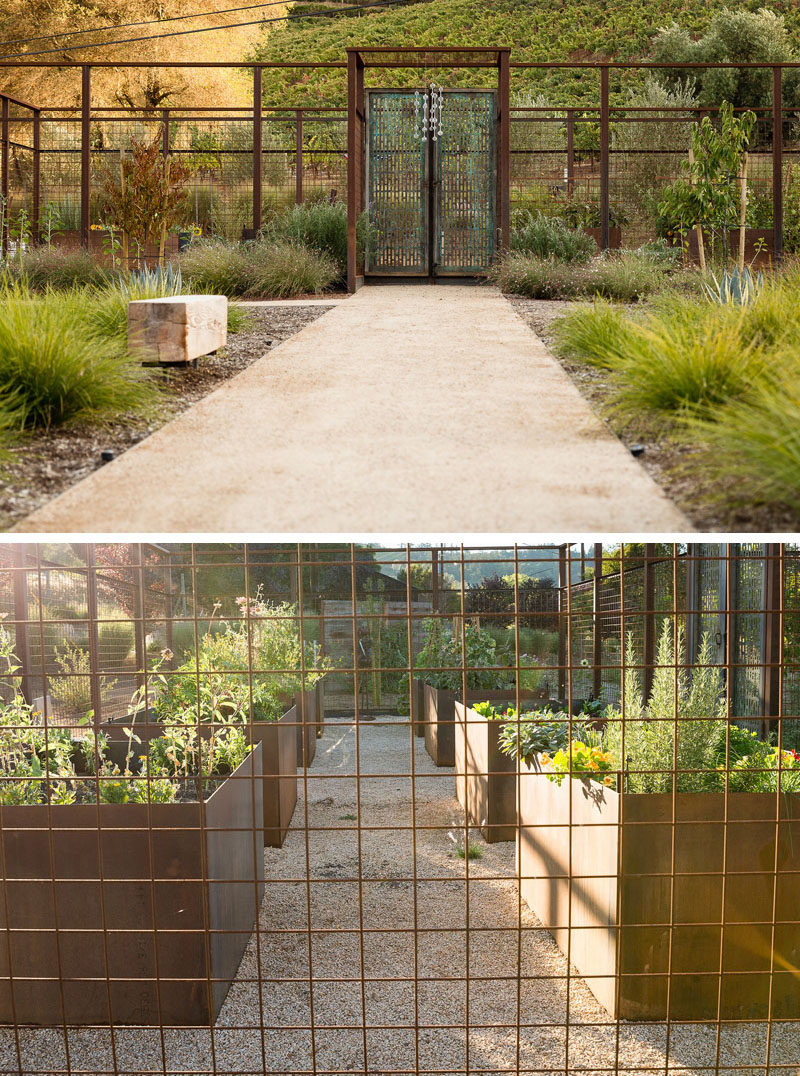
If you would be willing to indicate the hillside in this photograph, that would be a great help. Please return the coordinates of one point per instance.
(552, 30)
(46, 86)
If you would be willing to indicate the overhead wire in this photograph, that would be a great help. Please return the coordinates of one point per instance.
(381, 5)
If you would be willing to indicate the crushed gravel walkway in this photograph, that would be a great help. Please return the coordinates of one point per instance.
(382, 1018)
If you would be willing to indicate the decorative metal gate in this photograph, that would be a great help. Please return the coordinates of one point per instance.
(431, 203)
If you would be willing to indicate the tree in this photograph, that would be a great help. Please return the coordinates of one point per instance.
(146, 196)
(731, 37)
(422, 578)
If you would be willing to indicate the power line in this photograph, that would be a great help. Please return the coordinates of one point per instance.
(202, 30)
(146, 22)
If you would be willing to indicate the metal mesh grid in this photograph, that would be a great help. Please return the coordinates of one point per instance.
(386, 924)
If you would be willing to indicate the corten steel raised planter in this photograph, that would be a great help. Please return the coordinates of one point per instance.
(486, 779)
(614, 237)
(305, 704)
(278, 741)
(761, 238)
(172, 880)
(616, 895)
(439, 717)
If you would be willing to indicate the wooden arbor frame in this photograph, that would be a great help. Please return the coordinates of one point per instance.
(358, 60)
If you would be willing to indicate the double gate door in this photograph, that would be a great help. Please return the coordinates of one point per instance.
(430, 202)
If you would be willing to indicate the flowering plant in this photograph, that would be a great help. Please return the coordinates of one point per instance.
(582, 760)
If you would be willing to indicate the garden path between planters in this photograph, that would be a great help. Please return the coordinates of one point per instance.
(402, 406)
(328, 799)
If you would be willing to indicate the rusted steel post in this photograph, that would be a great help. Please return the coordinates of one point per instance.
(563, 607)
(165, 134)
(36, 213)
(597, 636)
(777, 163)
(605, 203)
(94, 643)
(4, 165)
(771, 658)
(649, 625)
(298, 148)
(353, 166)
(570, 152)
(258, 146)
(21, 631)
(504, 149)
(86, 90)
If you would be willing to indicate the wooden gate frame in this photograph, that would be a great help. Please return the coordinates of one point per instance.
(358, 60)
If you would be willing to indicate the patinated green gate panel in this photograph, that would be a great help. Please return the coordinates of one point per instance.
(430, 203)
(465, 190)
(396, 186)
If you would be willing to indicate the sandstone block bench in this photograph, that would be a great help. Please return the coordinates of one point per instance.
(177, 329)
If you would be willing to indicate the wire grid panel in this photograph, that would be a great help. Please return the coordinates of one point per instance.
(348, 897)
(396, 185)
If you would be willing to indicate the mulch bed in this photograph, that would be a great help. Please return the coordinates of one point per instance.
(667, 462)
(48, 462)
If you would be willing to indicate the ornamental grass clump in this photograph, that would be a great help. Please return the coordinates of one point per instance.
(626, 277)
(53, 370)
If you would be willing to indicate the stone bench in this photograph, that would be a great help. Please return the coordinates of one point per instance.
(177, 329)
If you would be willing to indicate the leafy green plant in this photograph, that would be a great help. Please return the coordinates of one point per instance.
(528, 736)
(678, 728)
(72, 690)
(439, 660)
(550, 237)
(581, 760)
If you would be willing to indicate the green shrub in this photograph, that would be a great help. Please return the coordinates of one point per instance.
(218, 267)
(684, 359)
(625, 277)
(285, 269)
(107, 311)
(116, 638)
(318, 226)
(61, 268)
(549, 237)
(53, 371)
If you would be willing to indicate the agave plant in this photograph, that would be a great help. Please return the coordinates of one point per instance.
(736, 288)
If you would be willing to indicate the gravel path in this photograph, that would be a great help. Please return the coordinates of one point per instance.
(383, 1019)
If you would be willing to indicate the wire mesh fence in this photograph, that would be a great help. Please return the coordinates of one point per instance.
(423, 810)
(595, 145)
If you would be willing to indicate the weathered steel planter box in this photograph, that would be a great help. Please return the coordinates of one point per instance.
(278, 741)
(306, 717)
(614, 237)
(618, 902)
(761, 238)
(165, 880)
(486, 779)
(439, 717)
